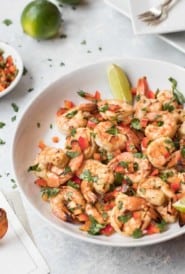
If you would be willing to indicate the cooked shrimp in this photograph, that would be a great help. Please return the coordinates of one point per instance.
(164, 125)
(144, 105)
(155, 191)
(159, 151)
(91, 210)
(109, 136)
(85, 138)
(74, 118)
(97, 176)
(131, 213)
(127, 163)
(54, 166)
(181, 130)
(167, 99)
(114, 110)
(168, 212)
(68, 204)
(3, 223)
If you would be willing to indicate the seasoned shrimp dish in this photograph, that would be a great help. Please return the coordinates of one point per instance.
(122, 166)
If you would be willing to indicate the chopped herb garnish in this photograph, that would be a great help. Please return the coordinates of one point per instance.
(30, 89)
(2, 124)
(165, 175)
(71, 114)
(81, 93)
(83, 42)
(95, 227)
(73, 132)
(34, 168)
(62, 64)
(13, 118)
(67, 170)
(50, 126)
(120, 205)
(86, 175)
(112, 130)
(137, 233)
(73, 184)
(162, 225)
(50, 192)
(7, 22)
(49, 59)
(160, 123)
(118, 178)
(13, 181)
(183, 152)
(139, 155)
(25, 71)
(104, 108)
(123, 164)
(168, 107)
(128, 180)
(135, 123)
(138, 97)
(100, 48)
(176, 93)
(2, 142)
(136, 166)
(72, 154)
(15, 107)
(89, 51)
(124, 219)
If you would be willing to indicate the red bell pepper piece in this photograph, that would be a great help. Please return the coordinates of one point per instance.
(83, 143)
(107, 231)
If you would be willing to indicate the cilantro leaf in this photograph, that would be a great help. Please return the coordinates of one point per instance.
(72, 154)
(71, 114)
(137, 233)
(2, 124)
(135, 123)
(104, 108)
(15, 107)
(95, 227)
(34, 168)
(112, 130)
(176, 93)
(73, 184)
(86, 175)
(50, 192)
(125, 218)
(2, 142)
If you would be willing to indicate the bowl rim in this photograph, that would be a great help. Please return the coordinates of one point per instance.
(84, 237)
(14, 54)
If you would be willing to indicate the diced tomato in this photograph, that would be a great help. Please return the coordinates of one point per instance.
(55, 139)
(166, 154)
(135, 186)
(107, 231)
(152, 229)
(114, 107)
(68, 104)
(97, 95)
(41, 182)
(175, 185)
(145, 142)
(91, 124)
(97, 156)
(41, 145)
(150, 94)
(83, 217)
(109, 205)
(154, 172)
(142, 86)
(76, 179)
(136, 215)
(61, 111)
(133, 91)
(119, 169)
(83, 143)
(144, 122)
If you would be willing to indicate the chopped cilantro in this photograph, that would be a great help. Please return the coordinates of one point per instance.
(112, 130)
(95, 227)
(2, 142)
(25, 71)
(62, 64)
(83, 42)
(30, 89)
(165, 175)
(104, 108)
(73, 184)
(138, 97)
(135, 123)
(162, 225)
(2, 124)
(123, 164)
(100, 48)
(118, 178)
(86, 175)
(15, 107)
(50, 126)
(168, 107)
(73, 132)
(183, 152)
(136, 166)
(13, 118)
(67, 170)
(34, 168)
(120, 205)
(7, 22)
(72, 154)
(176, 93)
(139, 155)
(71, 114)
(81, 93)
(137, 233)
(50, 192)
(125, 218)
(160, 123)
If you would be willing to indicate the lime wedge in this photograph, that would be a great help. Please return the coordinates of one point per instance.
(180, 205)
(119, 84)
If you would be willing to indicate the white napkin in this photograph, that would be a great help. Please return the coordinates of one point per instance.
(18, 253)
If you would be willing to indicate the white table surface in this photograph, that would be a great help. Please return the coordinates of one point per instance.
(100, 27)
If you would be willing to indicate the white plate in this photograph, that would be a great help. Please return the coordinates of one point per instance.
(176, 40)
(173, 23)
(43, 110)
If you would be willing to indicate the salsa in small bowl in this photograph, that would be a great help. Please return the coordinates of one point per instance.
(11, 68)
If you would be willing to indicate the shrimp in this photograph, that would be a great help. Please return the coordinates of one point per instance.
(159, 151)
(53, 165)
(68, 204)
(114, 110)
(91, 210)
(109, 136)
(86, 141)
(134, 168)
(75, 117)
(95, 177)
(164, 124)
(181, 130)
(168, 213)
(167, 99)
(3, 223)
(155, 191)
(131, 213)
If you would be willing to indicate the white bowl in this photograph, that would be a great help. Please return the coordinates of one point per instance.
(8, 50)
(43, 109)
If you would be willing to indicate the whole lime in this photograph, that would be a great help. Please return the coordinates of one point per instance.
(41, 19)
(70, 2)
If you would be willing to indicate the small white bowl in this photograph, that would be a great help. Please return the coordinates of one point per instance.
(8, 50)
